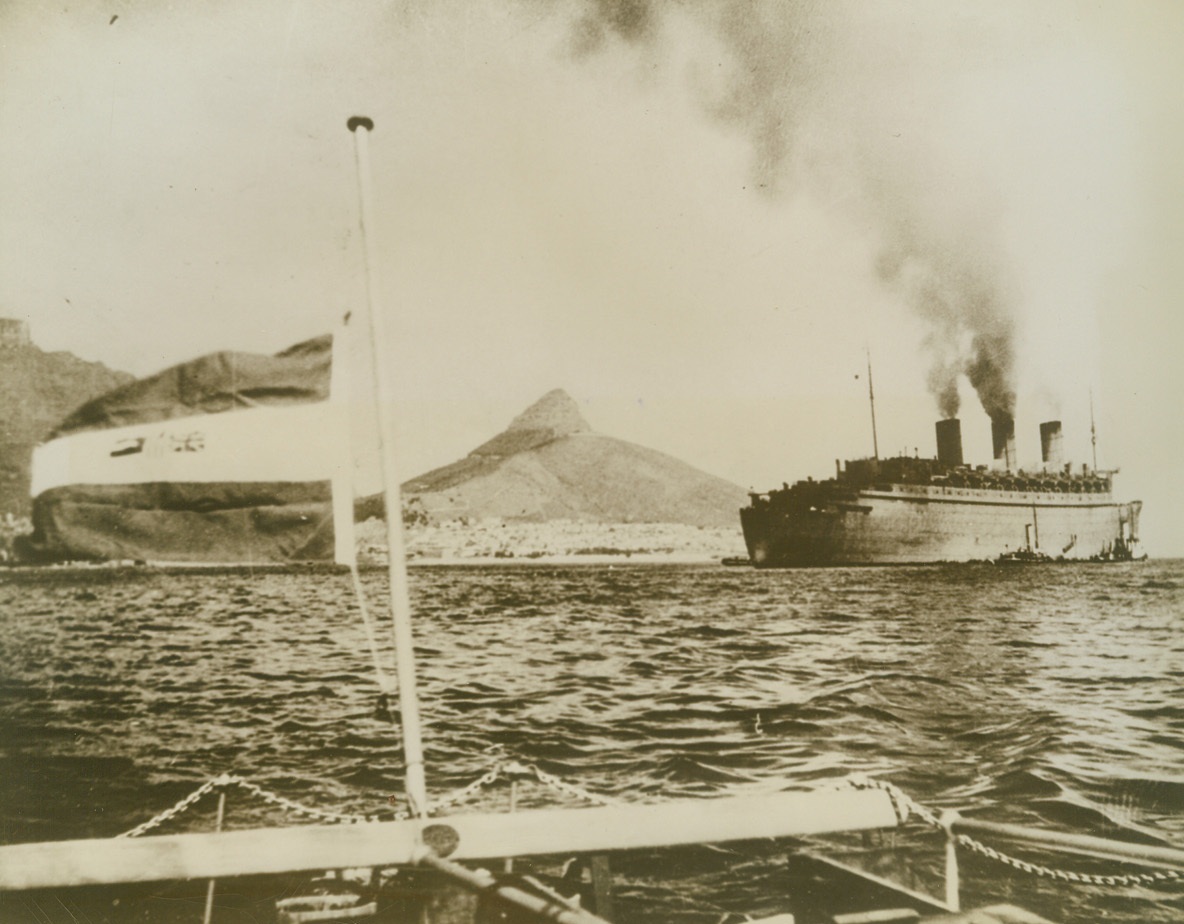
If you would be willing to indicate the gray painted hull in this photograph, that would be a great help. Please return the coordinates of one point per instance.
(910, 524)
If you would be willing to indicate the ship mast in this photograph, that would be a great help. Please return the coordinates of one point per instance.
(1093, 433)
(871, 397)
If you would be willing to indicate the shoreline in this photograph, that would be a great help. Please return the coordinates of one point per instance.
(560, 541)
(620, 558)
(109, 571)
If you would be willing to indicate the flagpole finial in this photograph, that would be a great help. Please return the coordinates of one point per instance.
(357, 122)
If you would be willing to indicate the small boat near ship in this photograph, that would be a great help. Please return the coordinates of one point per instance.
(1027, 556)
(1115, 553)
(427, 866)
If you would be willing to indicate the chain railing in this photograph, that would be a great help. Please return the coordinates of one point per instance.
(182, 806)
(511, 770)
(563, 786)
(904, 805)
(308, 811)
(1065, 875)
(461, 796)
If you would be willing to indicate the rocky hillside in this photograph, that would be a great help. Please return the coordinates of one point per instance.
(37, 390)
(550, 465)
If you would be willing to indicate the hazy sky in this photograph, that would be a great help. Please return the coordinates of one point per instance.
(695, 217)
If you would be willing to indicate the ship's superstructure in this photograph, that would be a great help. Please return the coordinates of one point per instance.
(911, 510)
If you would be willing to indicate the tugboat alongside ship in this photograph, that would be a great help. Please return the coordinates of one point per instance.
(915, 511)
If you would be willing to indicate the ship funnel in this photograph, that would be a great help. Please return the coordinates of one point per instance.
(1003, 441)
(949, 442)
(1050, 444)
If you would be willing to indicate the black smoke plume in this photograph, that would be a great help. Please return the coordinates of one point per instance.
(793, 84)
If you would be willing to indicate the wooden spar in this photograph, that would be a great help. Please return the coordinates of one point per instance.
(480, 837)
(482, 882)
(396, 553)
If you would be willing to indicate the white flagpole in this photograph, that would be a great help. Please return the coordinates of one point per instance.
(400, 598)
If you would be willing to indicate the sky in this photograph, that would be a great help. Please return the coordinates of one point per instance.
(699, 219)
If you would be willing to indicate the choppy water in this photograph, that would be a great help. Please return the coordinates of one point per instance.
(1050, 696)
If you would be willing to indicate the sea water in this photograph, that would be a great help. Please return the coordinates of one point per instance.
(1049, 696)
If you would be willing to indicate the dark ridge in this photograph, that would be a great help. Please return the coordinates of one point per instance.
(37, 390)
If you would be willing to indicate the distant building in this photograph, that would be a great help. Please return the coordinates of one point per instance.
(13, 333)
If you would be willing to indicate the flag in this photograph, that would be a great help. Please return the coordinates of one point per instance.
(228, 458)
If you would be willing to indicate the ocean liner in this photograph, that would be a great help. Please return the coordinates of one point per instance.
(910, 510)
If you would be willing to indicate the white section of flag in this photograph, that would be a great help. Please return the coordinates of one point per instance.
(290, 444)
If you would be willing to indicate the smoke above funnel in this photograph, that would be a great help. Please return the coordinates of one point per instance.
(990, 372)
(972, 332)
(880, 113)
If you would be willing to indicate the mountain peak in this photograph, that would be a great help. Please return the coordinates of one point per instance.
(556, 411)
(550, 465)
(553, 417)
